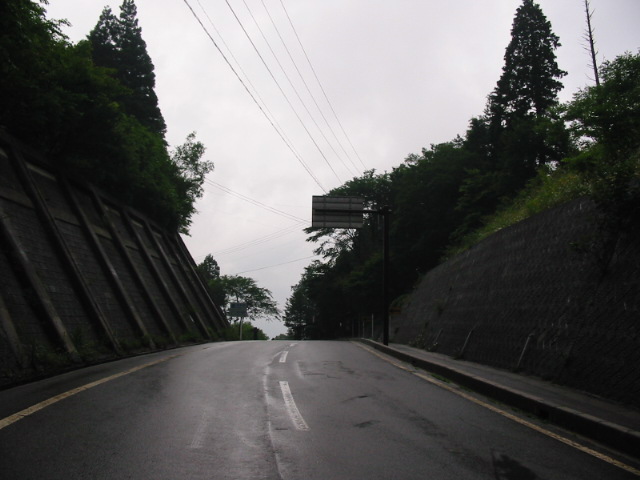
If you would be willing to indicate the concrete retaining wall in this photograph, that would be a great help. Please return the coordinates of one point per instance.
(83, 277)
(546, 297)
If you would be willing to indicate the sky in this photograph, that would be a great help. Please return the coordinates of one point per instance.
(337, 87)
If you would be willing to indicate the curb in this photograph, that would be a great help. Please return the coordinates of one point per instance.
(610, 434)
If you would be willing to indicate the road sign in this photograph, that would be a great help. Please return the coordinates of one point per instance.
(337, 212)
(238, 310)
(346, 212)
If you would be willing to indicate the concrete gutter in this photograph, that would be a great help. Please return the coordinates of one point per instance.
(597, 429)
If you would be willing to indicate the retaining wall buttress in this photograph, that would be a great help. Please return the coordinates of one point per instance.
(83, 277)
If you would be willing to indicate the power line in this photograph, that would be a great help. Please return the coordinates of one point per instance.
(293, 87)
(255, 202)
(264, 104)
(254, 98)
(258, 241)
(277, 265)
(281, 90)
(320, 84)
(284, 44)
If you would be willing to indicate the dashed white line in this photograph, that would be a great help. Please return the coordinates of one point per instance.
(291, 407)
(199, 435)
(283, 356)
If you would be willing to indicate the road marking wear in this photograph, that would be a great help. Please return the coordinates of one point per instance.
(5, 422)
(510, 416)
(291, 407)
(283, 356)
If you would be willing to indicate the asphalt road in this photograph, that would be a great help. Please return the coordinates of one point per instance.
(268, 410)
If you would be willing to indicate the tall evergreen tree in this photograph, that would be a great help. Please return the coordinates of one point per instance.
(136, 71)
(530, 76)
(117, 43)
(104, 40)
(519, 131)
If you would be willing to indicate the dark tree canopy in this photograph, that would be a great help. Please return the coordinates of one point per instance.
(529, 83)
(70, 102)
(521, 130)
(519, 145)
(117, 44)
(104, 40)
(225, 289)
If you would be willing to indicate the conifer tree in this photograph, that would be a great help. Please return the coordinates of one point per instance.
(117, 43)
(519, 131)
(136, 70)
(530, 76)
(523, 131)
(104, 38)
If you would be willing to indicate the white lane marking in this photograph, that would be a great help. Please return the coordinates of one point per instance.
(283, 356)
(504, 413)
(292, 409)
(201, 429)
(292, 344)
(5, 422)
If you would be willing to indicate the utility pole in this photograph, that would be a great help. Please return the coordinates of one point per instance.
(347, 212)
(384, 211)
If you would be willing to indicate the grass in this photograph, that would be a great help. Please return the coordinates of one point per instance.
(546, 191)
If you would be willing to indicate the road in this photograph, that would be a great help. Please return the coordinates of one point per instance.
(268, 410)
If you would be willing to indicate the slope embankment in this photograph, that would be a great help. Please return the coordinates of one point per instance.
(84, 278)
(554, 296)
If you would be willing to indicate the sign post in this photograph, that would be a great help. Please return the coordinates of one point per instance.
(347, 212)
(238, 310)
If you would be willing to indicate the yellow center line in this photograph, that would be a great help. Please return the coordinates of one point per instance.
(5, 422)
(506, 414)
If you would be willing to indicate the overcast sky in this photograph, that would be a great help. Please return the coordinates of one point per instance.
(400, 75)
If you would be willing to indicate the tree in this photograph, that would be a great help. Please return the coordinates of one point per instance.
(117, 44)
(260, 303)
(209, 271)
(521, 130)
(374, 190)
(606, 120)
(426, 189)
(192, 171)
(300, 311)
(525, 95)
(591, 43)
(609, 114)
(32, 49)
(529, 82)
(104, 40)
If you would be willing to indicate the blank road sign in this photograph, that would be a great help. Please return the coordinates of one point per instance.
(238, 310)
(337, 212)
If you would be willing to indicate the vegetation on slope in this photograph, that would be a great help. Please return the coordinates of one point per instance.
(91, 108)
(525, 154)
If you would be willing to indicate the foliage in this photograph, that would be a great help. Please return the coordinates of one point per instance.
(524, 155)
(225, 289)
(238, 289)
(117, 44)
(609, 114)
(547, 190)
(249, 332)
(521, 130)
(300, 310)
(209, 269)
(191, 174)
(606, 119)
(529, 81)
(81, 106)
